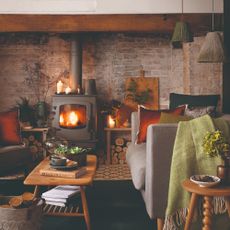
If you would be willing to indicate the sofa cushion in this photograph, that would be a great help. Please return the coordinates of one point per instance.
(198, 111)
(149, 117)
(193, 100)
(13, 157)
(9, 128)
(136, 159)
(171, 118)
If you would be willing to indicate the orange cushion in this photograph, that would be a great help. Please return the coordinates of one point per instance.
(148, 117)
(9, 128)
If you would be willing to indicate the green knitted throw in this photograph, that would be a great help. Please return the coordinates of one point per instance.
(188, 159)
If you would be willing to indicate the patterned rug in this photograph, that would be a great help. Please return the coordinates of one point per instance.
(113, 172)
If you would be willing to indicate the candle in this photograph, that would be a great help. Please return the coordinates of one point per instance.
(59, 87)
(111, 122)
(68, 90)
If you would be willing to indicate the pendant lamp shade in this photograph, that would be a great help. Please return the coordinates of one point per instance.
(212, 50)
(181, 34)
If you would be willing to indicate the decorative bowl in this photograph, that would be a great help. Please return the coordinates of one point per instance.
(58, 161)
(205, 180)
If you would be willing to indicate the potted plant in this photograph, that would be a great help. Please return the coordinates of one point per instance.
(78, 154)
(216, 145)
(73, 153)
(40, 83)
(26, 111)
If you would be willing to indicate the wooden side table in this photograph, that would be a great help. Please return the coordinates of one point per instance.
(108, 140)
(208, 194)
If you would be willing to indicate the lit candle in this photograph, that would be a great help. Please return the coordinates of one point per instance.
(59, 87)
(111, 122)
(68, 90)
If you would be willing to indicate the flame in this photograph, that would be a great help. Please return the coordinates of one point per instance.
(73, 118)
(69, 119)
(61, 119)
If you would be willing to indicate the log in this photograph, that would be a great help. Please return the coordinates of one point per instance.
(27, 198)
(121, 162)
(118, 149)
(125, 149)
(122, 155)
(119, 141)
(16, 202)
(114, 160)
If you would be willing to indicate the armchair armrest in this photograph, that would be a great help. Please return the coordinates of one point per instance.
(159, 149)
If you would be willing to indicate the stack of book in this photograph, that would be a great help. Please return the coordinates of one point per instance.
(49, 171)
(61, 195)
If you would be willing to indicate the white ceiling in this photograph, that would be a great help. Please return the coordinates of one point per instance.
(108, 6)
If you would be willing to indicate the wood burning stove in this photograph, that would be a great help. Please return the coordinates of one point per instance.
(75, 114)
(76, 118)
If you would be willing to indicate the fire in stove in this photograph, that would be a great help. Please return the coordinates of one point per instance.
(72, 116)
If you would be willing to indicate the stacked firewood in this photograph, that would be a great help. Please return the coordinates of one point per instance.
(25, 200)
(118, 151)
(35, 145)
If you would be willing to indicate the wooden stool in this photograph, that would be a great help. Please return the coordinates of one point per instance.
(208, 194)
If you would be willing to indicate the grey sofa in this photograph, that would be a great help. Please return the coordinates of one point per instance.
(150, 164)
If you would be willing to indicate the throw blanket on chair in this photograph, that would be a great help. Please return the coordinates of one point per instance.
(188, 159)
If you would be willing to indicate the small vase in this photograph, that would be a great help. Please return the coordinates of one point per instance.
(41, 109)
(223, 171)
(41, 114)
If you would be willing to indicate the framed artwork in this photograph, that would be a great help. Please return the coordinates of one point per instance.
(142, 91)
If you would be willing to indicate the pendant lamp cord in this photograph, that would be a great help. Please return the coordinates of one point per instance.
(182, 10)
(213, 15)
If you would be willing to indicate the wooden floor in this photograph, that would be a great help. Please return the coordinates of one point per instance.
(113, 205)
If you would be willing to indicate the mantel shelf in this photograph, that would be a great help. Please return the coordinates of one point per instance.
(103, 23)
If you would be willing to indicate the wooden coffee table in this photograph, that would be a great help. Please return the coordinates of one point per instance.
(34, 178)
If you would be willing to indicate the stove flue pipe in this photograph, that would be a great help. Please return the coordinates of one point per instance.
(76, 65)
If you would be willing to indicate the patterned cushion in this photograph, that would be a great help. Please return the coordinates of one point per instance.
(198, 111)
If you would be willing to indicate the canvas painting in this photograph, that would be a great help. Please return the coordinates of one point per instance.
(142, 91)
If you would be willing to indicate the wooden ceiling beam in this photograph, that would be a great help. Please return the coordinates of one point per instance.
(102, 23)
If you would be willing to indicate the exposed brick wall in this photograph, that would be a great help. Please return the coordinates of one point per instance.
(109, 58)
(15, 54)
